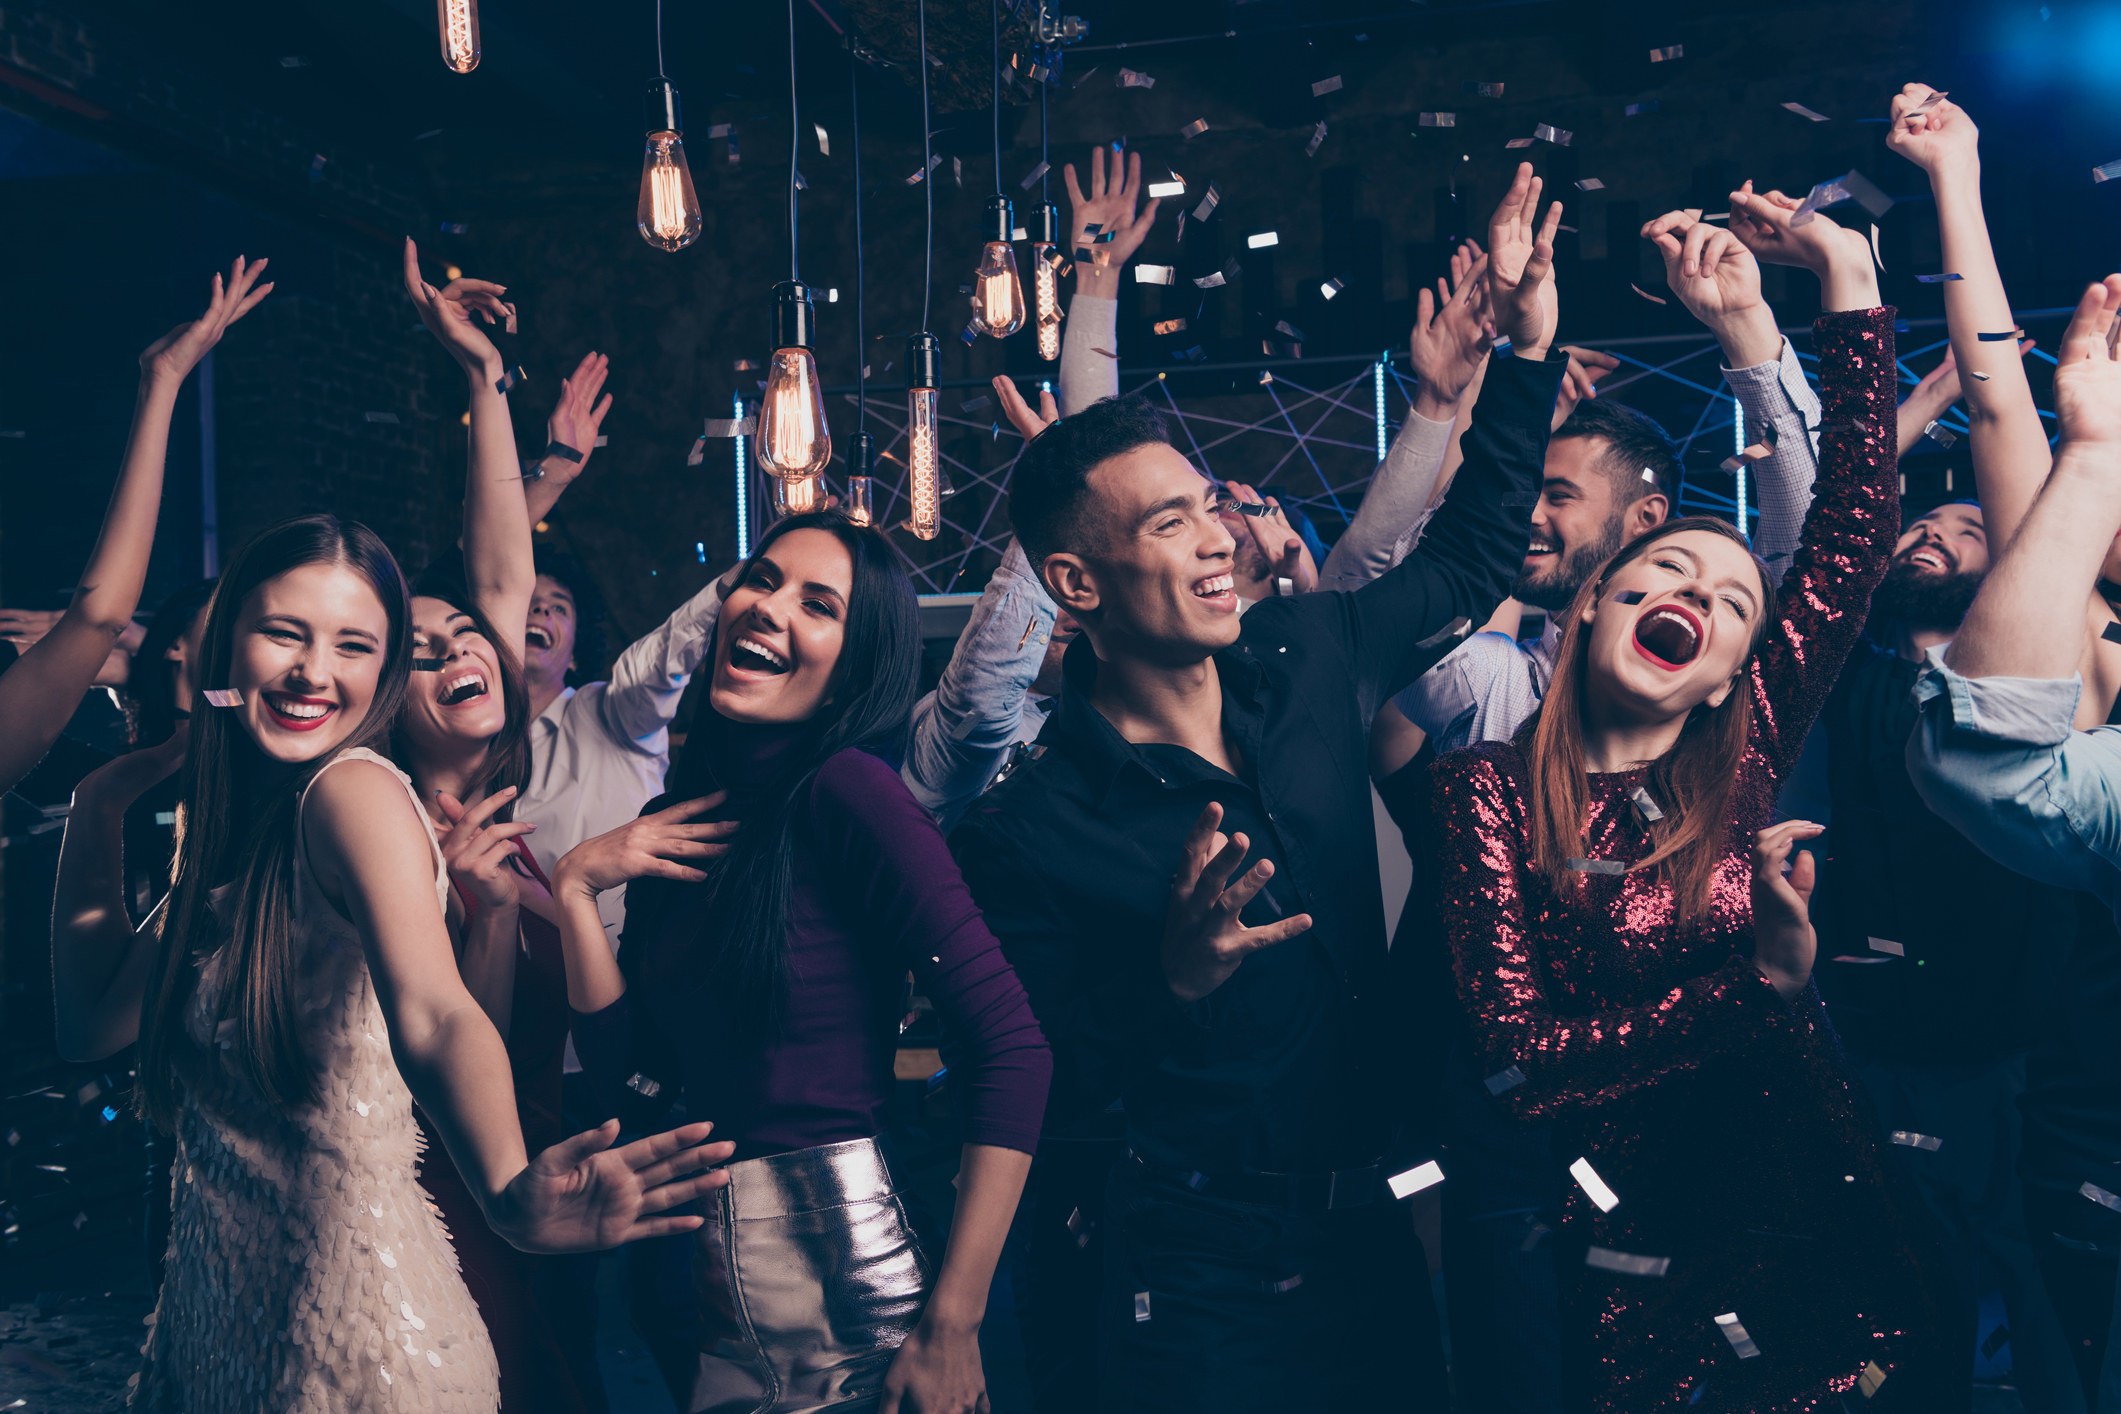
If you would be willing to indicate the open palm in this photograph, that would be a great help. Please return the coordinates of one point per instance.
(1110, 206)
(173, 356)
(1521, 265)
(582, 1195)
(447, 313)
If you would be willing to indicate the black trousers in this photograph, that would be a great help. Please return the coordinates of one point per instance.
(1225, 1307)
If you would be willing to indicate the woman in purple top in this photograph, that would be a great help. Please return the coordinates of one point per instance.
(767, 986)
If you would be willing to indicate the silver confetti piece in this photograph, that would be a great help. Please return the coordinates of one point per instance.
(1803, 112)
(1172, 188)
(1981, 377)
(935, 160)
(1031, 177)
(1192, 130)
(455, 228)
(2111, 633)
(1415, 1179)
(1547, 132)
(1670, 51)
(644, 1086)
(698, 453)
(1141, 1306)
(1318, 136)
(1630, 1263)
(1590, 184)
(1996, 338)
(1326, 86)
(1849, 186)
(1908, 1138)
(1734, 1332)
(721, 130)
(1332, 287)
(1212, 281)
(1940, 434)
(1129, 78)
(507, 381)
(1484, 90)
(1887, 945)
(1286, 1284)
(1517, 142)
(223, 697)
(2100, 1196)
(1598, 866)
(2106, 172)
(1155, 274)
(1587, 1177)
(1438, 120)
(1456, 628)
(1507, 1079)
(732, 426)
(1646, 805)
(1208, 203)
(1631, 596)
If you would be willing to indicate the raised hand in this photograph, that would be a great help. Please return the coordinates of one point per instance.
(1204, 941)
(650, 845)
(582, 1195)
(170, 359)
(2088, 370)
(1110, 206)
(1451, 337)
(1933, 133)
(578, 415)
(1709, 268)
(480, 855)
(1784, 943)
(1937, 391)
(447, 313)
(1840, 257)
(1521, 267)
(1580, 381)
(1268, 547)
(1027, 423)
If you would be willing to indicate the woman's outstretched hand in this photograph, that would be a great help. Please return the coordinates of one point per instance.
(169, 360)
(1027, 423)
(652, 845)
(1784, 943)
(582, 1195)
(447, 314)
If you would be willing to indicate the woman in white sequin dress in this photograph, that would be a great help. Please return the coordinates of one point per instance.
(291, 997)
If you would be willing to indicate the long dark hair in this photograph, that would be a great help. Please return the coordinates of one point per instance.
(731, 933)
(508, 754)
(151, 688)
(1692, 781)
(237, 824)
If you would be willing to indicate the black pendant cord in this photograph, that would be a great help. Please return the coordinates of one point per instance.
(861, 279)
(994, 10)
(661, 72)
(794, 273)
(1045, 157)
(927, 176)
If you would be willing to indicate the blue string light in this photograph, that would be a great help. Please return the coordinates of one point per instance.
(743, 498)
(1377, 382)
(1738, 450)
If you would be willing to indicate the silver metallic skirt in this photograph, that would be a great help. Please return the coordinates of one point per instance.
(808, 1276)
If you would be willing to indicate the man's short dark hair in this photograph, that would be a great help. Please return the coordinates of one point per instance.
(589, 664)
(1634, 444)
(1049, 493)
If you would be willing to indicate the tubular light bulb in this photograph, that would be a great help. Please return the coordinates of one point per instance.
(1046, 287)
(924, 357)
(794, 440)
(669, 211)
(861, 473)
(458, 21)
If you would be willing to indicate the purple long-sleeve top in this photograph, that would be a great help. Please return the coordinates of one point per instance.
(875, 894)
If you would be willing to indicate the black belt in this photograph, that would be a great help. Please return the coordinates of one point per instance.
(1296, 1192)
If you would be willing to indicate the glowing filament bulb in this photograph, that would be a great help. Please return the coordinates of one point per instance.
(857, 504)
(1045, 282)
(794, 496)
(669, 213)
(794, 439)
(458, 21)
(924, 486)
(998, 294)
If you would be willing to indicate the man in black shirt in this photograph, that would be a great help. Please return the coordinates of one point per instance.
(1255, 1256)
(1938, 964)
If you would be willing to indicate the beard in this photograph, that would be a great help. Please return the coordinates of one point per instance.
(1923, 598)
(1554, 589)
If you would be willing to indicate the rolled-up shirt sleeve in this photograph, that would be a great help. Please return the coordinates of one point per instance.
(1778, 395)
(1996, 758)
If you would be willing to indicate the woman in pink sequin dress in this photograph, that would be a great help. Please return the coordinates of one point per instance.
(1730, 1240)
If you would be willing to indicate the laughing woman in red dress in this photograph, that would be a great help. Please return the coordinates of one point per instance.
(1730, 1241)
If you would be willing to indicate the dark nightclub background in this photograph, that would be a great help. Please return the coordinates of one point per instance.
(143, 143)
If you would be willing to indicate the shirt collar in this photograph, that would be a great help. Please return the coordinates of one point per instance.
(557, 708)
(1102, 754)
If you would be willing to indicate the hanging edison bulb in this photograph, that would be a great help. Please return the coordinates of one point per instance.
(924, 366)
(1045, 279)
(861, 473)
(458, 21)
(669, 213)
(794, 440)
(997, 292)
(796, 495)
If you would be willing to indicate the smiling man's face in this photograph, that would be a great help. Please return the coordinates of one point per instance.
(548, 636)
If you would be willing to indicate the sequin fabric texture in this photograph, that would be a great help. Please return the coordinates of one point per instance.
(1722, 1119)
(307, 1270)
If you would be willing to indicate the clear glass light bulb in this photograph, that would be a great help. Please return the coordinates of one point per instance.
(797, 495)
(923, 487)
(669, 213)
(1045, 286)
(858, 502)
(997, 293)
(458, 21)
(794, 440)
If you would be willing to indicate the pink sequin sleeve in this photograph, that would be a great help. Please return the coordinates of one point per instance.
(1848, 533)
(1545, 1058)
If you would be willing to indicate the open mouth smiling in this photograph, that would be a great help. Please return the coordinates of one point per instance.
(1218, 589)
(1668, 636)
(750, 655)
(537, 637)
(1931, 558)
(464, 687)
(298, 714)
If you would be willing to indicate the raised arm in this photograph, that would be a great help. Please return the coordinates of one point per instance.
(648, 680)
(1089, 362)
(1718, 280)
(1571, 1061)
(369, 847)
(570, 435)
(498, 565)
(100, 962)
(39, 693)
(1447, 348)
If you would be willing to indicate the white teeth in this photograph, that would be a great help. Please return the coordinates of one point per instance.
(1216, 585)
(750, 644)
(307, 711)
(468, 679)
(1539, 547)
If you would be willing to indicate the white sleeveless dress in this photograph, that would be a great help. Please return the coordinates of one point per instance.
(307, 1269)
